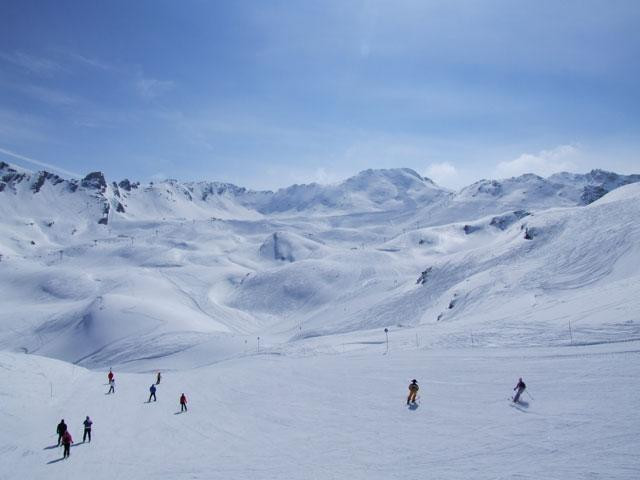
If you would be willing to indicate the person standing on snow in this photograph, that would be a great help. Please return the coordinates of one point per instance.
(158, 379)
(110, 376)
(87, 429)
(152, 389)
(183, 403)
(60, 430)
(66, 442)
(520, 388)
(413, 391)
(112, 386)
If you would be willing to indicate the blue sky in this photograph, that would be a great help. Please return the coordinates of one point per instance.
(269, 93)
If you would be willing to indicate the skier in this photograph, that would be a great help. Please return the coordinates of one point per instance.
(110, 376)
(413, 391)
(183, 403)
(158, 379)
(520, 388)
(112, 386)
(60, 430)
(66, 441)
(87, 429)
(152, 389)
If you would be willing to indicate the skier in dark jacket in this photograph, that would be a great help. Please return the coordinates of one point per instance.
(87, 429)
(60, 430)
(66, 442)
(413, 391)
(152, 389)
(158, 378)
(520, 388)
(183, 403)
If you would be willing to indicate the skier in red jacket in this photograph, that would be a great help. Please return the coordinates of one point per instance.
(66, 442)
(183, 403)
(110, 376)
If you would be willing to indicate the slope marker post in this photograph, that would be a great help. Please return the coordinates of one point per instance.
(386, 332)
(570, 332)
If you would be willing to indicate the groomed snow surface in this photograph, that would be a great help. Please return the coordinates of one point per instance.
(334, 416)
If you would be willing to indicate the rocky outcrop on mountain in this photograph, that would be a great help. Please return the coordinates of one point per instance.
(94, 181)
(593, 185)
(504, 221)
(42, 177)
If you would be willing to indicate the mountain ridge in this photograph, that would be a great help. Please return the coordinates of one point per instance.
(371, 190)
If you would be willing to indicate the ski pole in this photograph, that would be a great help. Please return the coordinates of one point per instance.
(527, 392)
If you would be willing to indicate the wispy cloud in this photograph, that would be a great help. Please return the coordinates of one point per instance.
(19, 126)
(150, 88)
(544, 163)
(48, 95)
(88, 61)
(34, 64)
(38, 162)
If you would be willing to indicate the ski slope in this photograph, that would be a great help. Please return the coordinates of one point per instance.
(334, 416)
(268, 310)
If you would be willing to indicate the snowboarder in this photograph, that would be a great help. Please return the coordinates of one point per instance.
(110, 376)
(158, 379)
(66, 442)
(60, 430)
(520, 388)
(152, 389)
(413, 391)
(183, 403)
(87, 429)
(112, 386)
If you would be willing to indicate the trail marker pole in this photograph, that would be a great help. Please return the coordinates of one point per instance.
(258, 344)
(386, 332)
(570, 332)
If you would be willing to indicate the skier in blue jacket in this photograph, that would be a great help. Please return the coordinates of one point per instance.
(152, 389)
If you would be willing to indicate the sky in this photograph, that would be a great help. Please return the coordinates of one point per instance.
(265, 94)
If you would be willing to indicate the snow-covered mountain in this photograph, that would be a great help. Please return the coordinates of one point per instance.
(102, 273)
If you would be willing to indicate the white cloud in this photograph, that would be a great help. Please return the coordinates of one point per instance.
(544, 163)
(88, 61)
(443, 173)
(49, 95)
(36, 65)
(152, 87)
